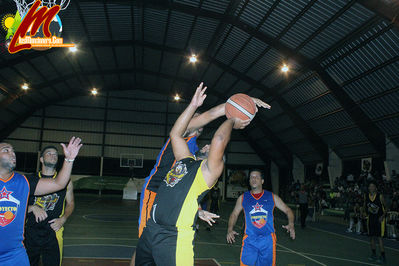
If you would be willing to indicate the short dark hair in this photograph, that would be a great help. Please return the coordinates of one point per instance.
(46, 148)
(372, 182)
(257, 170)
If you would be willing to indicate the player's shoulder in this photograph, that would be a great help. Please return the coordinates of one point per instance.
(30, 176)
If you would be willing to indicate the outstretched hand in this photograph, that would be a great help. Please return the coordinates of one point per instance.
(72, 150)
(260, 103)
(207, 216)
(199, 96)
(290, 229)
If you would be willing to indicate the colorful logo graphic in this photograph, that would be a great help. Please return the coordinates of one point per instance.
(8, 207)
(7, 21)
(258, 215)
(36, 25)
(47, 202)
(176, 174)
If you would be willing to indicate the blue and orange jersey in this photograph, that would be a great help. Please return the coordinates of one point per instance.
(14, 193)
(258, 213)
(164, 163)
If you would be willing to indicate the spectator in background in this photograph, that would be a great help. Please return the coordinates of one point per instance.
(214, 196)
(214, 199)
(297, 185)
(355, 219)
(350, 178)
(303, 205)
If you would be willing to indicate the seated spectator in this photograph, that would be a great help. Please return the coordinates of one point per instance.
(355, 219)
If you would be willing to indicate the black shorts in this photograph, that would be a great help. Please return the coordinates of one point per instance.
(45, 243)
(159, 245)
(375, 227)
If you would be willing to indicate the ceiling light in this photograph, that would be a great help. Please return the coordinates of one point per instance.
(73, 49)
(193, 58)
(285, 68)
(25, 86)
(94, 91)
(177, 97)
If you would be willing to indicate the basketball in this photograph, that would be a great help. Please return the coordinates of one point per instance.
(240, 106)
(8, 215)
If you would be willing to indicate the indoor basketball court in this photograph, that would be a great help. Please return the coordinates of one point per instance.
(309, 90)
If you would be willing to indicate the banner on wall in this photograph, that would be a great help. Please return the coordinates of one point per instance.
(319, 169)
(366, 165)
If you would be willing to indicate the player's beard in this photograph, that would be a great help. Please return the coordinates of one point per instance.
(49, 165)
(7, 164)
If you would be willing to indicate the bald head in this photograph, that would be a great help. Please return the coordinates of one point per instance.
(8, 159)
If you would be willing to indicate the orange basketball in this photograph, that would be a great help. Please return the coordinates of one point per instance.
(240, 106)
(8, 215)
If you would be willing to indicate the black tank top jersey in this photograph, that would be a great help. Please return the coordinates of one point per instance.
(374, 207)
(165, 161)
(178, 196)
(53, 204)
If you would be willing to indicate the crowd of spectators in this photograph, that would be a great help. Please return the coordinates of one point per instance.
(347, 195)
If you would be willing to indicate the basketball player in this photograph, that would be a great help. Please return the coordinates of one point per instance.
(14, 191)
(47, 215)
(259, 241)
(166, 159)
(374, 207)
(168, 236)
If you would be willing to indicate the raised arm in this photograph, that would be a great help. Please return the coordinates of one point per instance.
(206, 117)
(290, 215)
(49, 185)
(179, 145)
(233, 220)
(216, 112)
(213, 166)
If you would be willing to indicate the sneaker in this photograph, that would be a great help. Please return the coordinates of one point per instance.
(349, 230)
(372, 257)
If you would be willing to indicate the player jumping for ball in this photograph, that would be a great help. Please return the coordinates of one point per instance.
(168, 236)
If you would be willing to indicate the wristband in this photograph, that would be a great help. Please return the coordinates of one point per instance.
(69, 160)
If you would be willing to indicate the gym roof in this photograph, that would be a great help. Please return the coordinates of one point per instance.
(341, 93)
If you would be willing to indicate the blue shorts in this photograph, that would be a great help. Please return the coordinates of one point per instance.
(258, 250)
(15, 257)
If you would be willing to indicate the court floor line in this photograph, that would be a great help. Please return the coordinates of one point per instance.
(128, 259)
(329, 257)
(110, 245)
(348, 237)
(302, 255)
(97, 238)
(92, 258)
(209, 243)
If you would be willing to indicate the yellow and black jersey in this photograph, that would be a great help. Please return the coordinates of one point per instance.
(179, 194)
(374, 204)
(53, 204)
